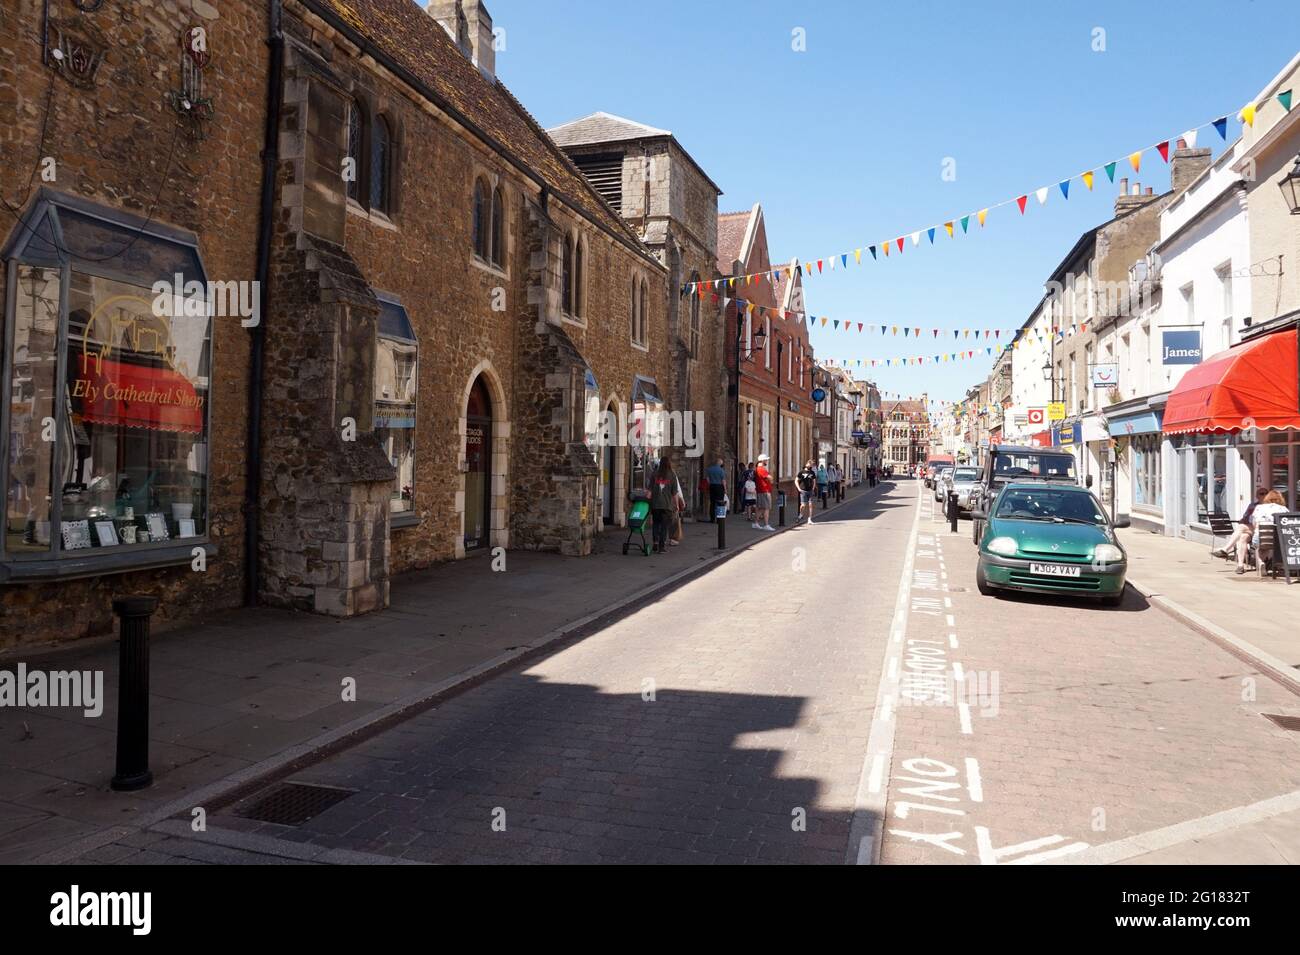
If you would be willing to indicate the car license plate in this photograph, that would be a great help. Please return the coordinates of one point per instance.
(1054, 570)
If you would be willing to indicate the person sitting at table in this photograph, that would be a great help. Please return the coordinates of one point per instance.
(1242, 530)
(1263, 514)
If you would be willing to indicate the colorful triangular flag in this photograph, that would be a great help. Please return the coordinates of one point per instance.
(1163, 149)
(1135, 160)
(1087, 179)
(965, 221)
(948, 226)
(1221, 126)
(1041, 196)
(930, 233)
(982, 215)
(1247, 114)
(1110, 171)
(1284, 98)
(1020, 201)
(1065, 187)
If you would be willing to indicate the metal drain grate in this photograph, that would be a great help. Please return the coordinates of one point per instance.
(1291, 723)
(292, 804)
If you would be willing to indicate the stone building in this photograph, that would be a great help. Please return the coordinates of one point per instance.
(442, 307)
(129, 148)
(645, 175)
(768, 348)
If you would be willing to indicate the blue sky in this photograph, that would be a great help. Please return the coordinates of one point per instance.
(844, 143)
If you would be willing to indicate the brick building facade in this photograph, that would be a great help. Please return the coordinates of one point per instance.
(769, 343)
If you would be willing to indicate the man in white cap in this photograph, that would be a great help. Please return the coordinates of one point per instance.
(763, 484)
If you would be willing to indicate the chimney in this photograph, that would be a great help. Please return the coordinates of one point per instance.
(481, 41)
(452, 19)
(1123, 186)
(1185, 165)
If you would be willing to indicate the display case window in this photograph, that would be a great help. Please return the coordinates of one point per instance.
(396, 384)
(107, 356)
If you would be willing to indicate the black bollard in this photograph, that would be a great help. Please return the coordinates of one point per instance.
(952, 511)
(133, 693)
(780, 509)
(720, 517)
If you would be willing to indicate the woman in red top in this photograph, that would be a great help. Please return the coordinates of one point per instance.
(763, 485)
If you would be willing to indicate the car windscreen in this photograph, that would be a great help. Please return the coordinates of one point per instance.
(1048, 504)
(1033, 464)
(965, 474)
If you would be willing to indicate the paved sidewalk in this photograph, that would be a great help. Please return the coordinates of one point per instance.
(249, 688)
(1260, 613)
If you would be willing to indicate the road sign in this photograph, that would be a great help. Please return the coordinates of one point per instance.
(1056, 411)
(1037, 416)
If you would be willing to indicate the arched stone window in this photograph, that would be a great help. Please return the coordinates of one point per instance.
(566, 277)
(482, 220)
(694, 341)
(498, 249)
(381, 146)
(356, 150)
(580, 279)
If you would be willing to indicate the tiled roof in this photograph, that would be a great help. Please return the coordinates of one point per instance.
(602, 128)
(731, 233)
(414, 40)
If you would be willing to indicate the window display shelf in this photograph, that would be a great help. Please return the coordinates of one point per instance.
(100, 561)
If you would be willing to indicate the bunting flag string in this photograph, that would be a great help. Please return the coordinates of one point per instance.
(1013, 335)
(1246, 116)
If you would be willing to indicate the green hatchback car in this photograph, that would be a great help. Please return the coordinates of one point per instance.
(1051, 538)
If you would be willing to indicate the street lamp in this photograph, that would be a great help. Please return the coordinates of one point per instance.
(1047, 371)
(1290, 186)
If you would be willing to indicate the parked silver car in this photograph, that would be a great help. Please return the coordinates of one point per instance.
(964, 479)
(941, 474)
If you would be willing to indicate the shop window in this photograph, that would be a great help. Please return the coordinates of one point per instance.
(396, 384)
(1147, 472)
(644, 434)
(109, 374)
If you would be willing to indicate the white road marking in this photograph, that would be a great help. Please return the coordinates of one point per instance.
(877, 773)
(947, 601)
(952, 621)
(974, 782)
(963, 714)
(990, 856)
(952, 640)
(958, 673)
(1111, 852)
(886, 709)
(866, 831)
(893, 667)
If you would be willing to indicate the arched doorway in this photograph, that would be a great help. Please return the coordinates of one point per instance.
(478, 458)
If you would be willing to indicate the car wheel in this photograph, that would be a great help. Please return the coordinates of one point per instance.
(982, 582)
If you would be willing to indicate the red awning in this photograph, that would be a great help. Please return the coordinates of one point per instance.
(134, 396)
(1252, 385)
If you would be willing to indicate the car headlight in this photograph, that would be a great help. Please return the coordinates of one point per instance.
(1006, 546)
(1108, 553)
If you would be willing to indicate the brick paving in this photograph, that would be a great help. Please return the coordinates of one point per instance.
(1108, 724)
(762, 687)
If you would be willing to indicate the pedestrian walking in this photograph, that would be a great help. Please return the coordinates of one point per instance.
(717, 478)
(833, 475)
(763, 489)
(664, 492)
(749, 498)
(807, 483)
(823, 481)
